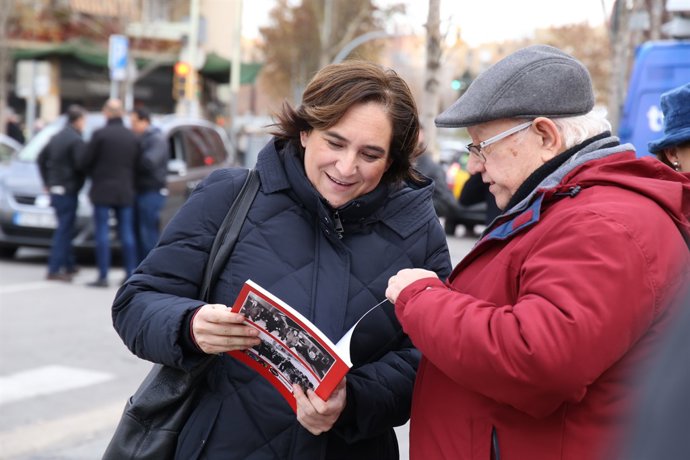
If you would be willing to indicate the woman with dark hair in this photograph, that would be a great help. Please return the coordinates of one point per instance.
(339, 211)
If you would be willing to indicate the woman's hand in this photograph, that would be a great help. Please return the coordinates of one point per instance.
(404, 278)
(217, 330)
(317, 415)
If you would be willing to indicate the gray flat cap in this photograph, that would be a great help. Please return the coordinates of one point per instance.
(536, 81)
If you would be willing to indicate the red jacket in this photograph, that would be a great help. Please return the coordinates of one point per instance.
(539, 329)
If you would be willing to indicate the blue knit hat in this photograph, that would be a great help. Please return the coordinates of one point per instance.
(675, 105)
(535, 81)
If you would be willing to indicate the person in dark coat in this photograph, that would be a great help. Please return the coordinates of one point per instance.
(445, 203)
(151, 177)
(659, 425)
(62, 177)
(111, 161)
(339, 211)
(476, 191)
(13, 128)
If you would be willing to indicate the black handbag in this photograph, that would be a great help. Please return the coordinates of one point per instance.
(155, 414)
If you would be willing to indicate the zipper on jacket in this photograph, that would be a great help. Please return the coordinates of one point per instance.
(572, 192)
(496, 453)
(338, 225)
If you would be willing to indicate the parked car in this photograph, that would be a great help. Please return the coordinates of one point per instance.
(197, 147)
(8, 149)
(454, 159)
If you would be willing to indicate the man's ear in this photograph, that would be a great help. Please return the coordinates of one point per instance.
(303, 136)
(550, 139)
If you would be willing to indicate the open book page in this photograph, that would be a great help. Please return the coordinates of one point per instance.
(343, 345)
(292, 349)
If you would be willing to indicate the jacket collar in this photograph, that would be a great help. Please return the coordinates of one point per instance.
(404, 209)
(115, 121)
(552, 173)
(524, 208)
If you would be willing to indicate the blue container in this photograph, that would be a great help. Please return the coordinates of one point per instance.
(659, 67)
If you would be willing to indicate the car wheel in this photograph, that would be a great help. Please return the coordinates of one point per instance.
(7, 252)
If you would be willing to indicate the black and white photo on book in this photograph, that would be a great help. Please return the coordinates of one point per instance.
(292, 349)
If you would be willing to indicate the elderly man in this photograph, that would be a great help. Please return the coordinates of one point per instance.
(529, 344)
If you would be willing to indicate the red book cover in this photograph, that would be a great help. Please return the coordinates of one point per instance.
(292, 349)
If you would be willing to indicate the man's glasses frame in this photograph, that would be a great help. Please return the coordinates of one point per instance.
(476, 149)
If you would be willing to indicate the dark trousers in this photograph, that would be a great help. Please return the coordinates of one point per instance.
(148, 211)
(62, 251)
(125, 229)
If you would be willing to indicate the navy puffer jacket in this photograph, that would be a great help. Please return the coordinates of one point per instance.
(289, 246)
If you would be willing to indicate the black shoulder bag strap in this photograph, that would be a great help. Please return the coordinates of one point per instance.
(228, 233)
(156, 413)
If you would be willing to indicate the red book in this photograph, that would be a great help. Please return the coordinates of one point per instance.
(292, 349)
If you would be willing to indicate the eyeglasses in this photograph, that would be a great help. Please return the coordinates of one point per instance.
(476, 149)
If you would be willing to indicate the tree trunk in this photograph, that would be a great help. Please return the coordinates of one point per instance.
(430, 104)
(619, 47)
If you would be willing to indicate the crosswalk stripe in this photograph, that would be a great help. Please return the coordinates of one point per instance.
(21, 287)
(46, 380)
(45, 435)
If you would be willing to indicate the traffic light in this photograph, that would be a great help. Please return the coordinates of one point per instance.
(181, 75)
(460, 83)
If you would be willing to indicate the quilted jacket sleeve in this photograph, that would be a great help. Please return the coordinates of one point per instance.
(149, 310)
(379, 393)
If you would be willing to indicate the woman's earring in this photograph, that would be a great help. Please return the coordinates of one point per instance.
(676, 166)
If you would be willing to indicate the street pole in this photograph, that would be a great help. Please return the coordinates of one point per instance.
(31, 103)
(192, 100)
(235, 72)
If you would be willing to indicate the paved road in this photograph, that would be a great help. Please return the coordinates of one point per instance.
(64, 373)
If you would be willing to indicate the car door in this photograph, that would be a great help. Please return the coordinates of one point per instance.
(195, 151)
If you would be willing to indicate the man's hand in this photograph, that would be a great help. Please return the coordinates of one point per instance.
(404, 278)
(217, 330)
(317, 415)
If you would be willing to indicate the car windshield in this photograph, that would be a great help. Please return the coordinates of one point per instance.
(35, 145)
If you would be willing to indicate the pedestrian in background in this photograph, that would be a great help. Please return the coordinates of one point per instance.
(13, 127)
(151, 177)
(530, 347)
(445, 203)
(659, 427)
(59, 164)
(476, 191)
(111, 160)
(674, 148)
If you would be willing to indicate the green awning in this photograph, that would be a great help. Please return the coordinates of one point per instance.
(216, 67)
(88, 54)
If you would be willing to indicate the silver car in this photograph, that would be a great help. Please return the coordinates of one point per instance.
(197, 147)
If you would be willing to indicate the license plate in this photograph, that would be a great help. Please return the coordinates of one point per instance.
(26, 219)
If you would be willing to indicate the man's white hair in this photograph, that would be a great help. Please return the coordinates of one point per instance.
(575, 130)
